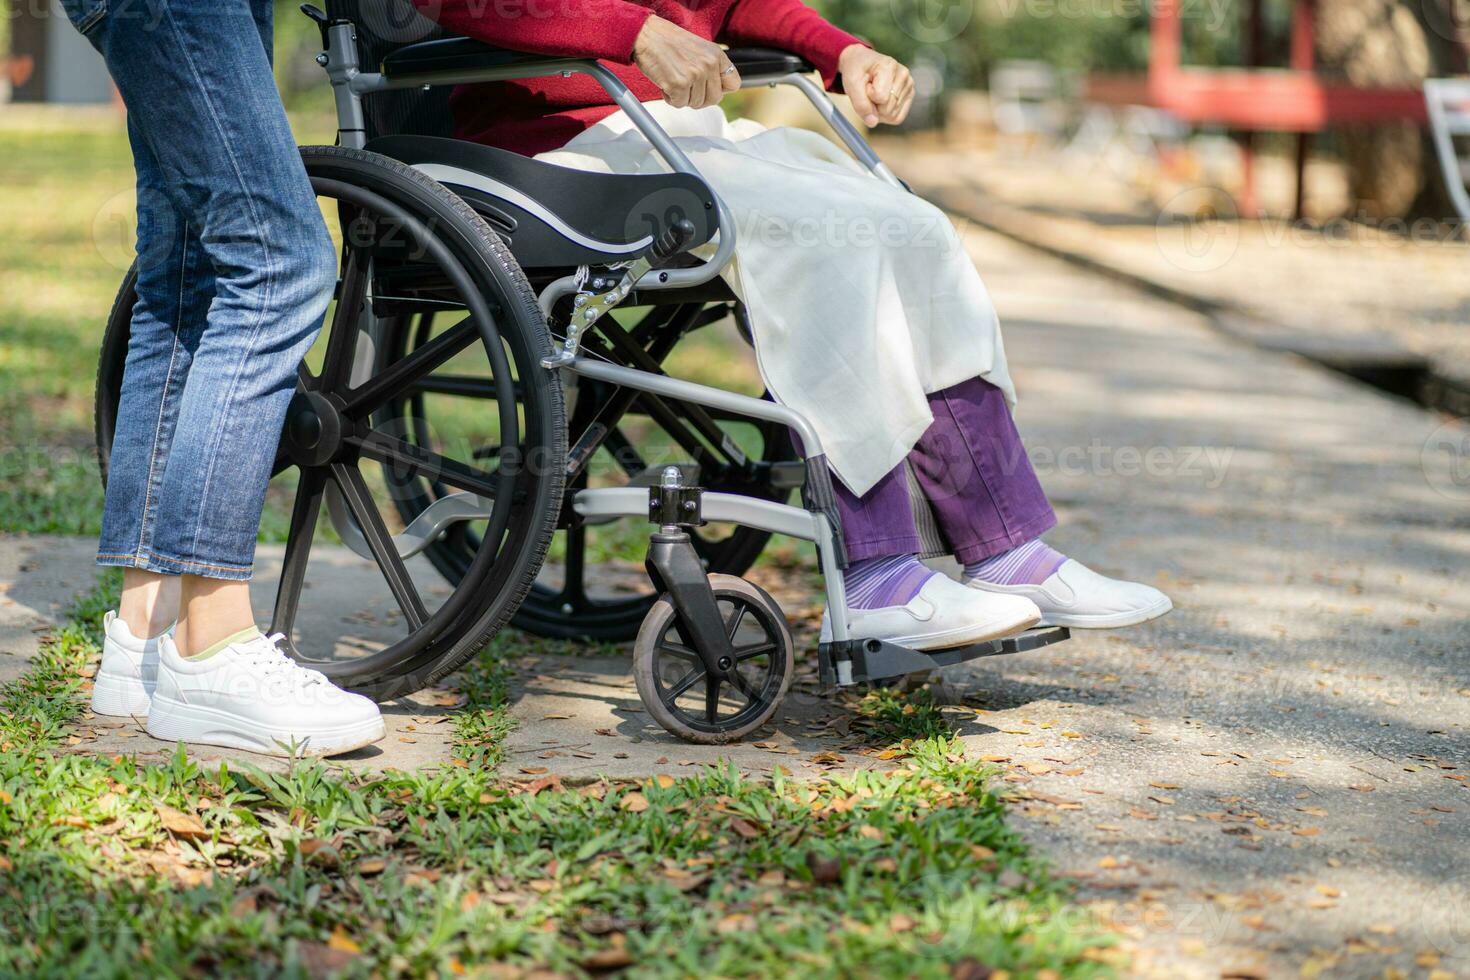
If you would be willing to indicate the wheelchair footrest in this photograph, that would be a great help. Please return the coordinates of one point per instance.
(857, 661)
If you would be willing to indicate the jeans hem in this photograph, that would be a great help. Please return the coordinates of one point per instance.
(967, 554)
(149, 561)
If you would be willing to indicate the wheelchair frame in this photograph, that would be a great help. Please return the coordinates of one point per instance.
(671, 505)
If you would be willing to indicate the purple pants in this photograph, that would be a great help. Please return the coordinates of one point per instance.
(973, 472)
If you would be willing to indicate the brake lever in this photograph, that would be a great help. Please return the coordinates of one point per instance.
(589, 306)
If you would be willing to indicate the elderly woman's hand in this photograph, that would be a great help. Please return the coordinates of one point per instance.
(881, 88)
(689, 70)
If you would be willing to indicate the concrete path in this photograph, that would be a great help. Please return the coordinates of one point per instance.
(577, 711)
(1271, 781)
(38, 578)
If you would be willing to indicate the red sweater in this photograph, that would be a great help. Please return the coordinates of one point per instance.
(537, 114)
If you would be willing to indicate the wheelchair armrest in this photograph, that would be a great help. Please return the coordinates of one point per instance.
(760, 62)
(455, 54)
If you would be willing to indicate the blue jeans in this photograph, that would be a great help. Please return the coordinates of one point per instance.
(235, 270)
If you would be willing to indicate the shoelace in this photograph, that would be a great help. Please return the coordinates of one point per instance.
(266, 655)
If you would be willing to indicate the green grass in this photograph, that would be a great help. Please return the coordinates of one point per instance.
(110, 868)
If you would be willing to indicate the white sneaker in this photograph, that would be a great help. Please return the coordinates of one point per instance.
(943, 614)
(1075, 595)
(129, 669)
(251, 695)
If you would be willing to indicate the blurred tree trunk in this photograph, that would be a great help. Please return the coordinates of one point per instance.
(1391, 167)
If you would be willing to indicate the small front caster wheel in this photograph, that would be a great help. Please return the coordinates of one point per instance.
(713, 710)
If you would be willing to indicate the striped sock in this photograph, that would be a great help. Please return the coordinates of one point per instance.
(890, 581)
(1029, 564)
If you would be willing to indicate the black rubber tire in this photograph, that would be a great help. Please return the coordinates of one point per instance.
(661, 618)
(501, 584)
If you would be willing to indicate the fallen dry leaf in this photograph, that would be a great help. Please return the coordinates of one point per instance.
(611, 958)
(320, 959)
(738, 922)
(824, 871)
(180, 824)
(634, 802)
(745, 828)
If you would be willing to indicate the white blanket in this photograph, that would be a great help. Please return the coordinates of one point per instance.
(861, 297)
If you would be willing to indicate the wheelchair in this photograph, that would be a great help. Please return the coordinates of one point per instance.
(501, 323)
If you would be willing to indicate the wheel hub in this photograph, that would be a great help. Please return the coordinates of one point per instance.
(314, 429)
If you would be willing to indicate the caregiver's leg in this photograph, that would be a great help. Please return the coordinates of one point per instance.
(988, 503)
(207, 115)
(174, 286)
(212, 139)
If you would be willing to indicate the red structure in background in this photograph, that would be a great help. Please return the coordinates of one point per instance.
(1255, 98)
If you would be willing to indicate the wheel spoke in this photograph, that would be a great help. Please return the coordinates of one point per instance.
(304, 515)
(624, 452)
(402, 375)
(743, 654)
(683, 684)
(736, 618)
(679, 650)
(744, 686)
(408, 460)
(359, 500)
(346, 321)
(459, 386)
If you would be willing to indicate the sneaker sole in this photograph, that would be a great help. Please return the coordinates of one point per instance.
(1111, 621)
(963, 636)
(174, 721)
(119, 696)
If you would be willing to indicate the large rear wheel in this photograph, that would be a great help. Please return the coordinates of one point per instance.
(409, 248)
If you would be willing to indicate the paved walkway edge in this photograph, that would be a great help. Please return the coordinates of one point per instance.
(1381, 361)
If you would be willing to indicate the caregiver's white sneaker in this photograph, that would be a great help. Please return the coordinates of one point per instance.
(129, 670)
(249, 695)
(943, 614)
(1074, 595)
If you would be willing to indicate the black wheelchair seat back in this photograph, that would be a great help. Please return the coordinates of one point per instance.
(382, 27)
(551, 217)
